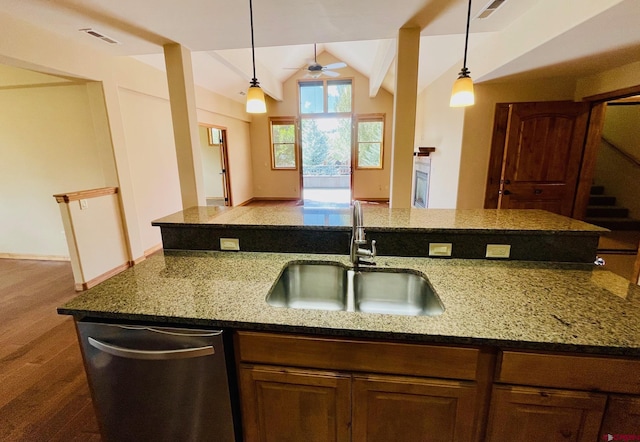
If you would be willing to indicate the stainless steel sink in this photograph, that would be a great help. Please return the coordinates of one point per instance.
(395, 291)
(333, 286)
(311, 285)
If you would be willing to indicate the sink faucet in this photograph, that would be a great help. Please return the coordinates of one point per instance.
(357, 239)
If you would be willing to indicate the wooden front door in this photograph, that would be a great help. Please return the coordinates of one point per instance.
(536, 155)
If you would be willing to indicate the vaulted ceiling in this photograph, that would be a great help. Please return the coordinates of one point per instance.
(542, 38)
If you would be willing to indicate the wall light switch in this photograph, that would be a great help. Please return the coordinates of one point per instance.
(229, 244)
(440, 249)
(84, 204)
(498, 251)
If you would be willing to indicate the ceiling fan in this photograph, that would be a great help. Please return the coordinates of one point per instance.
(315, 69)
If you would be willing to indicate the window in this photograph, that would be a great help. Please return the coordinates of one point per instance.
(369, 138)
(325, 96)
(215, 136)
(283, 143)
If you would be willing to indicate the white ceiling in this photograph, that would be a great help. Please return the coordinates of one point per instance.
(354, 31)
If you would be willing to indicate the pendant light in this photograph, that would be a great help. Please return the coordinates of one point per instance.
(462, 93)
(255, 95)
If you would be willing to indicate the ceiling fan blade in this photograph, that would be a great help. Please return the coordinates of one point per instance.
(330, 74)
(338, 65)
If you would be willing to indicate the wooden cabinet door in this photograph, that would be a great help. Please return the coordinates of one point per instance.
(538, 164)
(622, 415)
(404, 409)
(293, 405)
(532, 415)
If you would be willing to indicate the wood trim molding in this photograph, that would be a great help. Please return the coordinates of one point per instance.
(98, 279)
(34, 257)
(619, 93)
(151, 250)
(589, 158)
(85, 194)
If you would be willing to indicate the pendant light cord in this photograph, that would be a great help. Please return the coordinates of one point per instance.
(466, 39)
(254, 80)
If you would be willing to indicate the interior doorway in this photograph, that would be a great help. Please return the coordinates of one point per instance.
(613, 202)
(326, 161)
(215, 167)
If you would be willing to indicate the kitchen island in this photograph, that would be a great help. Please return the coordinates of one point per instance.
(524, 350)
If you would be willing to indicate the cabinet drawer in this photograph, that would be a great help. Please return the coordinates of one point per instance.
(356, 355)
(570, 371)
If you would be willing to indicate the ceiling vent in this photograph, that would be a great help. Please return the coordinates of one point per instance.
(100, 35)
(489, 9)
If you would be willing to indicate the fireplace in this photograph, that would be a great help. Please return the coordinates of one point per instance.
(421, 174)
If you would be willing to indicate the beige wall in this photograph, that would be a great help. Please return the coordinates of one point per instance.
(47, 145)
(619, 176)
(607, 81)
(622, 128)
(286, 184)
(152, 158)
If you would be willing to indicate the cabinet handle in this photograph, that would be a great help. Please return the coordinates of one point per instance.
(537, 191)
(158, 355)
(505, 192)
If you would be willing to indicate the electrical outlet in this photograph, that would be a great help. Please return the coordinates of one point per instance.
(84, 204)
(229, 244)
(440, 249)
(498, 251)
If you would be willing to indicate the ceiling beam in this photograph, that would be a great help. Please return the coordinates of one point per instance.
(384, 57)
(240, 64)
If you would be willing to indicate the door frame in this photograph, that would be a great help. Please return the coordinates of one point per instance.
(592, 144)
(224, 162)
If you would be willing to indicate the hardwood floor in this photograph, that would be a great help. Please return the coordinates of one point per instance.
(44, 394)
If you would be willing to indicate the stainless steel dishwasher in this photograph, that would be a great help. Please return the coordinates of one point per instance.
(158, 384)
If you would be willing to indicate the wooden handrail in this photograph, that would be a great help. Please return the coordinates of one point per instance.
(84, 194)
(626, 155)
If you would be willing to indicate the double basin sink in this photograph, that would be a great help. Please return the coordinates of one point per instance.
(334, 286)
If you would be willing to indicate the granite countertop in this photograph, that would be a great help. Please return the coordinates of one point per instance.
(515, 304)
(380, 218)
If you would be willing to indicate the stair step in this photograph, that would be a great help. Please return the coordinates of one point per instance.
(597, 190)
(607, 211)
(602, 200)
(614, 223)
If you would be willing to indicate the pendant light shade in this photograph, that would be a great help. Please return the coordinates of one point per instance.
(462, 93)
(255, 96)
(255, 100)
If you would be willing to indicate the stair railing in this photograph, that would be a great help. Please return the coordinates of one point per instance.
(632, 159)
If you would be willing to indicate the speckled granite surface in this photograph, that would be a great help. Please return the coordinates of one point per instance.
(562, 307)
(475, 220)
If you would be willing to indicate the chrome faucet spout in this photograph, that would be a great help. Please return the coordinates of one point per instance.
(358, 239)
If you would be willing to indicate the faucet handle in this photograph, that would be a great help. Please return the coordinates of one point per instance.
(373, 248)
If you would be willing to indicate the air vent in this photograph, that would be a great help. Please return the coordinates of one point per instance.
(100, 35)
(489, 9)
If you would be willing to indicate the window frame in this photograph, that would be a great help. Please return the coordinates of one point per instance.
(283, 121)
(325, 104)
(364, 118)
